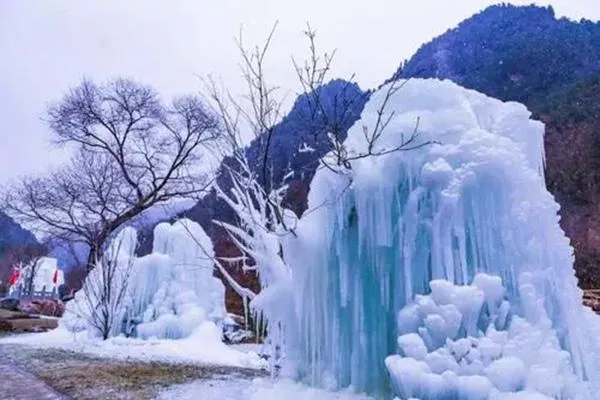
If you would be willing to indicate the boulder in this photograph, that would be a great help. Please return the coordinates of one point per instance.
(591, 298)
(50, 308)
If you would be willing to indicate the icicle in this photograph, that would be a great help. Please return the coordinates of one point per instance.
(472, 200)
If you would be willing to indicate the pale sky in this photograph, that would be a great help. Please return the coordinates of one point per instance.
(48, 45)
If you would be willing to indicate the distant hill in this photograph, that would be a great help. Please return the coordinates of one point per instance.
(13, 239)
(13, 235)
(551, 65)
(299, 129)
(512, 53)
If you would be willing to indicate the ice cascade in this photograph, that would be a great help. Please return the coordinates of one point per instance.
(173, 290)
(170, 293)
(472, 201)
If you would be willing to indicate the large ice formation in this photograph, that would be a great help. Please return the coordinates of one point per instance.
(168, 294)
(468, 342)
(98, 307)
(472, 201)
(173, 290)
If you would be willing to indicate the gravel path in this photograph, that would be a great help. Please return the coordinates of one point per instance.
(16, 384)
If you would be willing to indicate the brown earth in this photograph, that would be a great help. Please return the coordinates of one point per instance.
(82, 377)
(591, 298)
(17, 321)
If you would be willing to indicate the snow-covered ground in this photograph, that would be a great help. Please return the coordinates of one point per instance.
(257, 389)
(227, 387)
(202, 347)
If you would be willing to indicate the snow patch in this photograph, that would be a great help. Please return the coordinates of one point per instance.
(230, 388)
(203, 346)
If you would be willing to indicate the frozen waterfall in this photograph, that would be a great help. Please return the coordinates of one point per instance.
(172, 290)
(473, 202)
(168, 294)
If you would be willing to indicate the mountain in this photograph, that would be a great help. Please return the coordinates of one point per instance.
(13, 235)
(512, 53)
(14, 243)
(342, 103)
(551, 65)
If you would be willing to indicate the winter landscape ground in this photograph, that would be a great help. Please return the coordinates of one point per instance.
(416, 240)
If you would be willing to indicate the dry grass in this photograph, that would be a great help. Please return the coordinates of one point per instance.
(32, 324)
(16, 321)
(83, 377)
(7, 314)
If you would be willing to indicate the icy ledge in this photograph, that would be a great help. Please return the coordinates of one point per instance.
(463, 342)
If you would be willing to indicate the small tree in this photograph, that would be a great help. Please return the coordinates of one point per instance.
(131, 152)
(99, 306)
(255, 198)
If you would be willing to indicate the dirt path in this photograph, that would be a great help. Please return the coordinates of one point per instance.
(16, 384)
(83, 377)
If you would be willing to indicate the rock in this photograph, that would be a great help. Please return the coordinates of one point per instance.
(591, 298)
(50, 308)
(10, 304)
(63, 291)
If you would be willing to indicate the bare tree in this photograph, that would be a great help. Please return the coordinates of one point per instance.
(312, 75)
(258, 201)
(98, 307)
(131, 152)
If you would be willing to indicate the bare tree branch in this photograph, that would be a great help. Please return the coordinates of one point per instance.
(131, 153)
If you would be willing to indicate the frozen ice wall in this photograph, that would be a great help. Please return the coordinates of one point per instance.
(472, 201)
(173, 291)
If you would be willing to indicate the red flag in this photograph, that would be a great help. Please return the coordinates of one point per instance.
(55, 277)
(14, 277)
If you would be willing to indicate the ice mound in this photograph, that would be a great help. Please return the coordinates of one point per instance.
(472, 201)
(83, 313)
(168, 294)
(172, 291)
(456, 346)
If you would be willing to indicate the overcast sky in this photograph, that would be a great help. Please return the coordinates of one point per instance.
(48, 45)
